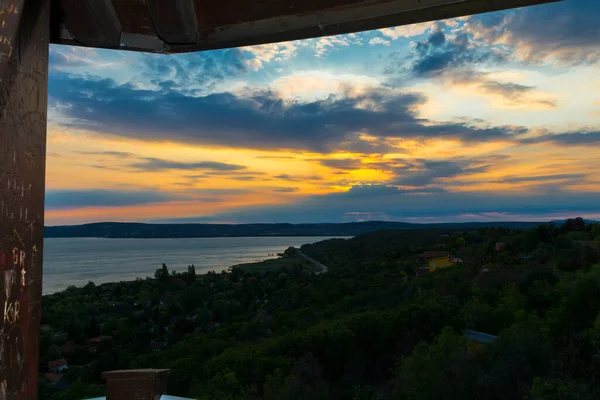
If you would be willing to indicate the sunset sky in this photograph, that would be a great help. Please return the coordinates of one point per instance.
(490, 117)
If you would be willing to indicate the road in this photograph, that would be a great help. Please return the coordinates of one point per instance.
(315, 262)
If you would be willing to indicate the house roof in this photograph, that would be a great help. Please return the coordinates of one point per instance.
(50, 377)
(99, 339)
(480, 337)
(439, 258)
(57, 363)
(178, 26)
(429, 254)
(157, 345)
(68, 347)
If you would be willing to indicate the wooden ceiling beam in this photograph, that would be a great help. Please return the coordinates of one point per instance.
(197, 25)
(94, 23)
(175, 20)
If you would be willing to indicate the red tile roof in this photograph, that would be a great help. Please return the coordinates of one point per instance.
(57, 364)
(435, 253)
(99, 339)
(50, 377)
(68, 347)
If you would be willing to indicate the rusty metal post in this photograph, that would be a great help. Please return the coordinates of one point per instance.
(141, 384)
(24, 32)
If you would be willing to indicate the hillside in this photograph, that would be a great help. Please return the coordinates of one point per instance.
(370, 328)
(140, 230)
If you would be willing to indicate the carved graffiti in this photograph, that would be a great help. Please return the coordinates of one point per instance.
(23, 103)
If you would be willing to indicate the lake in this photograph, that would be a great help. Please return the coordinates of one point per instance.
(76, 261)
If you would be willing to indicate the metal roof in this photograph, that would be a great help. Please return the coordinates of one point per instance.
(175, 26)
(480, 336)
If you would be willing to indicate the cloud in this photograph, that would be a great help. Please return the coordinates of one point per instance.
(344, 164)
(438, 53)
(269, 52)
(567, 32)
(286, 177)
(259, 119)
(65, 199)
(378, 40)
(326, 44)
(117, 154)
(61, 57)
(515, 93)
(406, 31)
(286, 189)
(583, 138)
(157, 164)
(192, 73)
(424, 172)
(508, 93)
(396, 204)
(541, 178)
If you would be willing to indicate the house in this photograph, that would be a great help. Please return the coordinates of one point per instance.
(429, 254)
(68, 347)
(157, 346)
(422, 271)
(439, 263)
(55, 381)
(500, 246)
(57, 366)
(476, 340)
(60, 336)
(52, 378)
(214, 324)
(99, 339)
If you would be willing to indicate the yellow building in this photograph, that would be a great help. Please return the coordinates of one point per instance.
(439, 263)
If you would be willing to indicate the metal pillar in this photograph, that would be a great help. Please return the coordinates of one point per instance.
(24, 32)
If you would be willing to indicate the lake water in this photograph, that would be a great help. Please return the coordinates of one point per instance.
(76, 261)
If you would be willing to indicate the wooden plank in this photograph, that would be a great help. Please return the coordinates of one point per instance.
(134, 16)
(303, 19)
(23, 104)
(10, 17)
(175, 20)
(342, 20)
(92, 22)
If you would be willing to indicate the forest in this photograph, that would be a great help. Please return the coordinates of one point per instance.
(371, 327)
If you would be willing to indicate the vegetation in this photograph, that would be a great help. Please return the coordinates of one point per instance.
(369, 328)
(140, 230)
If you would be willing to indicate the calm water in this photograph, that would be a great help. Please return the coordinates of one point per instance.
(76, 261)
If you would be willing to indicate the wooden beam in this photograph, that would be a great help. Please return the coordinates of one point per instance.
(175, 20)
(307, 19)
(94, 23)
(10, 17)
(23, 104)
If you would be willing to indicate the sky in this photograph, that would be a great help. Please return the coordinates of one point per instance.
(482, 118)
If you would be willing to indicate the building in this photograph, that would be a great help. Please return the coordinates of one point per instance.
(68, 347)
(55, 381)
(157, 346)
(58, 366)
(477, 340)
(99, 339)
(500, 246)
(439, 263)
(429, 254)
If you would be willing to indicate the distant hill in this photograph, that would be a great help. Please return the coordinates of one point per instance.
(140, 230)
